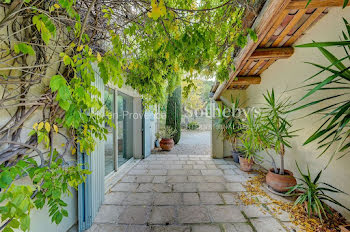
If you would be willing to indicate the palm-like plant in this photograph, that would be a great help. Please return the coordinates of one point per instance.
(229, 122)
(335, 130)
(249, 149)
(276, 129)
(314, 193)
(250, 137)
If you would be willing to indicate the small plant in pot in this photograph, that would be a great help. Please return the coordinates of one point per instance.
(248, 155)
(167, 141)
(158, 137)
(275, 135)
(229, 123)
(249, 141)
(313, 195)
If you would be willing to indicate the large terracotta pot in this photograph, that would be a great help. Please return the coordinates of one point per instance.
(235, 156)
(280, 183)
(245, 164)
(167, 144)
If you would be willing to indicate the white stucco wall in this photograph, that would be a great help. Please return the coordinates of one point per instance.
(221, 149)
(288, 74)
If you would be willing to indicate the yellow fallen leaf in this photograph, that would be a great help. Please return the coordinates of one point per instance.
(56, 6)
(74, 151)
(35, 126)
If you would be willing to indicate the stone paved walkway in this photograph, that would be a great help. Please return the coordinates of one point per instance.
(182, 193)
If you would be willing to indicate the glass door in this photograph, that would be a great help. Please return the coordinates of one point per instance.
(125, 128)
(110, 145)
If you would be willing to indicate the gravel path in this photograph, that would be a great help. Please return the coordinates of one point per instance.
(192, 143)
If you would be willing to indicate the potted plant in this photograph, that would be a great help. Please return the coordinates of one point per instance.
(229, 124)
(167, 141)
(313, 194)
(158, 137)
(248, 155)
(275, 134)
(249, 141)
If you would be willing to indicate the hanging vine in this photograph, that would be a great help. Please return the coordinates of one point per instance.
(50, 53)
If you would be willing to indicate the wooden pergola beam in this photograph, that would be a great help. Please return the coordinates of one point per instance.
(272, 53)
(246, 80)
(301, 4)
(261, 26)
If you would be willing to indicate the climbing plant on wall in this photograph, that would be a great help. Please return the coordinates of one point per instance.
(50, 52)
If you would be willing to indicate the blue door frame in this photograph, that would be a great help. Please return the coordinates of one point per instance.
(91, 193)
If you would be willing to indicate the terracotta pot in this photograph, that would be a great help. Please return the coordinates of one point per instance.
(245, 164)
(235, 156)
(280, 183)
(167, 144)
(345, 228)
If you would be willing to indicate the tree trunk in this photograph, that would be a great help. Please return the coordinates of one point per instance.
(282, 160)
(282, 165)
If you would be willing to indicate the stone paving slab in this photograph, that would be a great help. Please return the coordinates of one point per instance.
(183, 192)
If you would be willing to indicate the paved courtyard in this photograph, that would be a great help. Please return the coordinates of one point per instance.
(173, 192)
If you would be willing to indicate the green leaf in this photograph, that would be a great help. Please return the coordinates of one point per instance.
(252, 34)
(8, 229)
(324, 44)
(25, 223)
(58, 217)
(6, 179)
(56, 82)
(64, 212)
(24, 48)
(14, 223)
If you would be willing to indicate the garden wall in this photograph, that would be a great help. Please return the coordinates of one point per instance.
(285, 75)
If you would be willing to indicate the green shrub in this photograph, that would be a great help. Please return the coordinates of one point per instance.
(192, 125)
(173, 114)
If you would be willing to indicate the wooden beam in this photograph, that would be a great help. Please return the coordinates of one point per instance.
(288, 28)
(278, 22)
(305, 26)
(301, 4)
(266, 66)
(248, 80)
(261, 26)
(272, 53)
